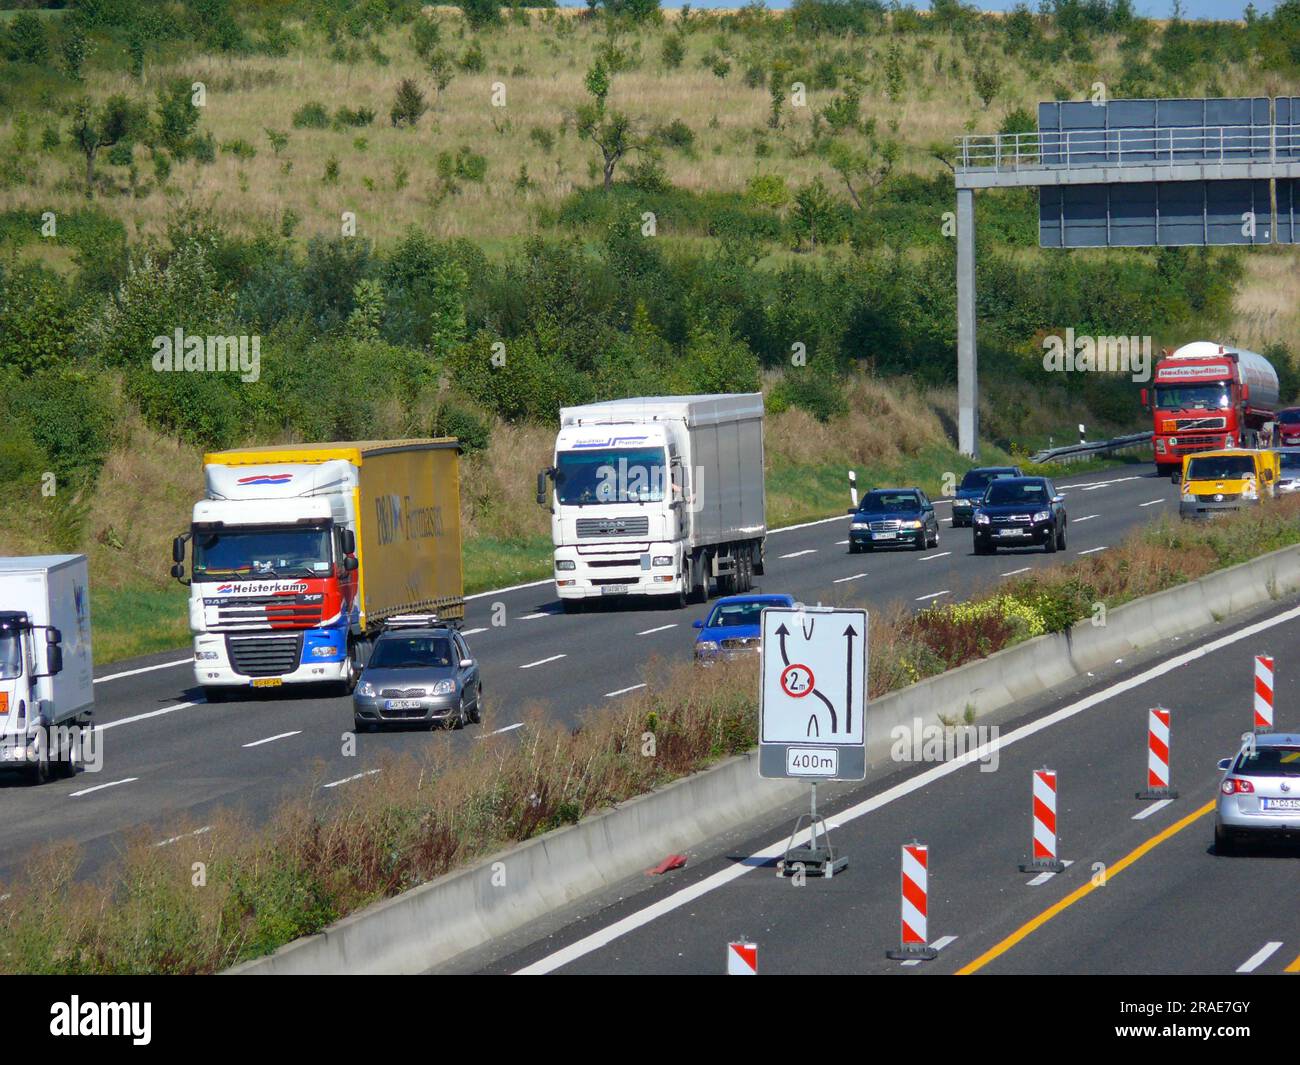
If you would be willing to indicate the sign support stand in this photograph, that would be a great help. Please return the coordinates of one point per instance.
(817, 860)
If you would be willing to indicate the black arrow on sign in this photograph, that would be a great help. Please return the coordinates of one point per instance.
(850, 632)
(783, 632)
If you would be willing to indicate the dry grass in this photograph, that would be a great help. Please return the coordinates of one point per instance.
(1267, 306)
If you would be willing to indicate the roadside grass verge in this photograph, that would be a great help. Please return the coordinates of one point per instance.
(316, 860)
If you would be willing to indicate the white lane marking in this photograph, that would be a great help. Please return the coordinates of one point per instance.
(661, 628)
(1152, 503)
(932, 595)
(1043, 878)
(939, 555)
(604, 936)
(472, 632)
(809, 524)
(1013, 572)
(840, 543)
(101, 787)
(938, 944)
(183, 835)
(796, 554)
(543, 661)
(142, 669)
(348, 780)
(1146, 812)
(1104, 484)
(534, 617)
(144, 717)
(272, 739)
(855, 577)
(498, 731)
(1259, 957)
(623, 691)
(1075, 521)
(1092, 550)
(510, 588)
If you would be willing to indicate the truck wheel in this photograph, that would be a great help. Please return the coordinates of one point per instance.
(572, 606)
(348, 684)
(758, 560)
(65, 764)
(39, 771)
(215, 695)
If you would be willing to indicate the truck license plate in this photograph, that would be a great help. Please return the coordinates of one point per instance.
(613, 589)
(402, 704)
(267, 682)
(1282, 804)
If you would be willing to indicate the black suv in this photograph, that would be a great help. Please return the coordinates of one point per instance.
(887, 517)
(972, 489)
(1020, 512)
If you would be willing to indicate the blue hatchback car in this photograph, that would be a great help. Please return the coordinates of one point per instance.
(732, 627)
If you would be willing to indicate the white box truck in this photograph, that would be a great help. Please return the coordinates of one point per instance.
(660, 496)
(47, 693)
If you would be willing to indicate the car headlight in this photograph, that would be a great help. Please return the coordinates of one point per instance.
(706, 647)
(366, 689)
(206, 656)
(1043, 515)
(325, 650)
(443, 687)
(565, 564)
(981, 518)
(1189, 497)
(663, 560)
(911, 524)
(859, 525)
(961, 502)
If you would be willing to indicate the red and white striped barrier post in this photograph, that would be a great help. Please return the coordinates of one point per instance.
(916, 864)
(742, 959)
(1263, 693)
(1158, 756)
(1044, 857)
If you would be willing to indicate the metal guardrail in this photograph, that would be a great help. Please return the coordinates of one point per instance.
(1074, 452)
(1125, 146)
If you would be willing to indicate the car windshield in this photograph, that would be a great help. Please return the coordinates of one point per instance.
(605, 475)
(1003, 491)
(411, 652)
(11, 656)
(1220, 468)
(729, 615)
(890, 501)
(1289, 417)
(1194, 397)
(1290, 460)
(981, 478)
(1269, 762)
(258, 553)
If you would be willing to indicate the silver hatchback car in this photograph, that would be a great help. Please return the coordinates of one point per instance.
(1259, 795)
(419, 675)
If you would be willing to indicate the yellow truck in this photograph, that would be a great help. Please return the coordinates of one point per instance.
(300, 552)
(1217, 482)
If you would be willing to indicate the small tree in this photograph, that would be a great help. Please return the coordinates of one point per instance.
(27, 42)
(176, 117)
(673, 51)
(987, 79)
(93, 130)
(612, 133)
(409, 104)
(863, 168)
(75, 48)
(481, 14)
(814, 212)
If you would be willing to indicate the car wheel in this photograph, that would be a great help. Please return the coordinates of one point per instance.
(983, 548)
(476, 715)
(1061, 541)
(1050, 545)
(462, 716)
(1223, 841)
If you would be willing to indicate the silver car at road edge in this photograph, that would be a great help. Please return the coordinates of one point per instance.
(1259, 795)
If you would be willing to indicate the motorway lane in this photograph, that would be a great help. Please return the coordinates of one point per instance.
(1176, 908)
(190, 757)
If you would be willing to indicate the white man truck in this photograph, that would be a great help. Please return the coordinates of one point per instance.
(657, 497)
(300, 553)
(47, 693)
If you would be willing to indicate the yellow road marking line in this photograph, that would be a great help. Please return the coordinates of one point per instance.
(1037, 922)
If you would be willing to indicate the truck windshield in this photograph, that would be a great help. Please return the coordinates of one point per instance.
(1194, 397)
(258, 553)
(615, 475)
(1220, 468)
(11, 655)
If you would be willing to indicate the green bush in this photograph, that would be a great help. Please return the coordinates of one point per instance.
(311, 115)
(70, 418)
(820, 393)
(464, 423)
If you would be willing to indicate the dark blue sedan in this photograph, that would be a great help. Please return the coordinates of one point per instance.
(733, 626)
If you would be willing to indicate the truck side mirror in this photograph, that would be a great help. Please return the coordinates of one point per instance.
(53, 635)
(178, 571)
(178, 549)
(349, 541)
(541, 488)
(349, 564)
(1176, 476)
(54, 659)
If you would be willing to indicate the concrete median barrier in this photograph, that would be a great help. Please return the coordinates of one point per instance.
(435, 922)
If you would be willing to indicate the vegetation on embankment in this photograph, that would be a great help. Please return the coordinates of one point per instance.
(259, 886)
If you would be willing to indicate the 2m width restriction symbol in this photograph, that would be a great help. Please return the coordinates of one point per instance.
(797, 681)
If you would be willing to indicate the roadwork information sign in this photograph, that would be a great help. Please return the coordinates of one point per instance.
(813, 695)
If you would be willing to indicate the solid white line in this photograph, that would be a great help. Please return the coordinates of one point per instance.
(661, 628)
(272, 739)
(604, 936)
(144, 717)
(1043, 878)
(932, 595)
(1259, 957)
(1092, 550)
(101, 787)
(472, 632)
(939, 555)
(142, 669)
(623, 691)
(186, 835)
(1159, 804)
(855, 577)
(1152, 503)
(498, 731)
(510, 588)
(796, 554)
(1075, 521)
(348, 780)
(809, 524)
(1012, 573)
(543, 661)
(938, 944)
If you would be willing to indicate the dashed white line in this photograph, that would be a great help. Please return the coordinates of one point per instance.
(272, 739)
(101, 787)
(543, 661)
(1147, 811)
(101, 726)
(498, 731)
(1013, 572)
(1259, 957)
(939, 555)
(796, 554)
(143, 669)
(1075, 521)
(1043, 878)
(472, 632)
(938, 944)
(855, 577)
(1092, 550)
(840, 543)
(348, 780)
(932, 595)
(183, 835)
(623, 691)
(1152, 503)
(534, 617)
(661, 628)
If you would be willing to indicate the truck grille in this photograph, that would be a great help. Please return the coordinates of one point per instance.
(884, 526)
(401, 693)
(1184, 424)
(636, 525)
(1195, 443)
(264, 656)
(1223, 497)
(259, 611)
